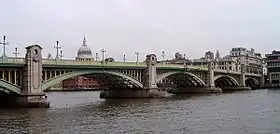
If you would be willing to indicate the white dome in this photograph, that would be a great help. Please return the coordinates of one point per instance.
(84, 51)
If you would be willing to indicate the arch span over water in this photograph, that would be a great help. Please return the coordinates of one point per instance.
(193, 76)
(251, 82)
(11, 87)
(62, 77)
(225, 80)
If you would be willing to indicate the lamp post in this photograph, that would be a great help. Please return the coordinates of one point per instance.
(49, 56)
(162, 55)
(57, 47)
(185, 62)
(185, 59)
(137, 55)
(4, 43)
(60, 54)
(96, 56)
(124, 58)
(16, 52)
(103, 54)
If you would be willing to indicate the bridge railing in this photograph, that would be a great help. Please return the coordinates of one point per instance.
(11, 60)
(116, 63)
(21, 60)
(99, 63)
(92, 63)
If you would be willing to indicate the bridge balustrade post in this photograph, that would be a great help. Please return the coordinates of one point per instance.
(32, 94)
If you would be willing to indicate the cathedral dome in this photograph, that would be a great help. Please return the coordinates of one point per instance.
(84, 52)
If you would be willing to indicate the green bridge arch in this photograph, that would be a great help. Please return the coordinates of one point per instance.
(62, 77)
(254, 80)
(9, 86)
(227, 77)
(196, 78)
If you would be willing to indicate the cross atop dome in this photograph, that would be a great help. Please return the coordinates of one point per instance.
(84, 41)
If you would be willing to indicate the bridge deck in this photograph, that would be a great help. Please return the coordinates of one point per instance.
(73, 64)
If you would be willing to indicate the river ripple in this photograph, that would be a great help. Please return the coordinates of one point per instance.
(83, 112)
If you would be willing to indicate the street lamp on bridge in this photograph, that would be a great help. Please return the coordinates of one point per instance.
(96, 56)
(103, 54)
(60, 54)
(4, 43)
(16, 52)
(124, 58)
(162, 55)
(185, 62)
(57, 47)
(137, 54)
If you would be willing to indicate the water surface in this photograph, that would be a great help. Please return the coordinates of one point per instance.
(83, 112)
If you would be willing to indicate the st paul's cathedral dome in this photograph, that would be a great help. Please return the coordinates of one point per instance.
(84, 53)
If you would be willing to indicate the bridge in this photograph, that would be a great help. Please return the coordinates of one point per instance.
(27, 77)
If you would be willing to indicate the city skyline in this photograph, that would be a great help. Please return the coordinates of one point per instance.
(125, 26)
(102, 53)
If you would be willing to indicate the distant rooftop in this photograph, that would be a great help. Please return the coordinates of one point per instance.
(275, 52)
(238, 49)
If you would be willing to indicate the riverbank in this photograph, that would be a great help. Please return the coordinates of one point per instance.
(271, 86)
(71, 90)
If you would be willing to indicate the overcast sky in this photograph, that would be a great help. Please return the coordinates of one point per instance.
(146, 26)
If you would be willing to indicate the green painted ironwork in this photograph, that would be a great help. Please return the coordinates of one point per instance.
(253, 79)
(11, 60)
(227, 76)
(70, 62)
(9, 86)
(254, 75)
(162, 76)
(62, 77)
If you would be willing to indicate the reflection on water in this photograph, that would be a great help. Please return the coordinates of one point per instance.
(83, 112)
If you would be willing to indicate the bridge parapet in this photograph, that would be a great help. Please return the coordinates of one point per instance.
(254, 75)
(91, 63)
(13, 60)
(115, 63)
(227, 71)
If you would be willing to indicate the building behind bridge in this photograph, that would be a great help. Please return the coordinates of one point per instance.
(232, 62)
(273, 68)
(178, 59)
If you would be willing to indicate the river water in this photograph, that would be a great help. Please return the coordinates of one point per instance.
(243, 112)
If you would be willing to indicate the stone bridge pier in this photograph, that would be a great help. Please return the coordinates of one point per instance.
(210, 81)
(32, 94)
(150, 78)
